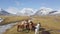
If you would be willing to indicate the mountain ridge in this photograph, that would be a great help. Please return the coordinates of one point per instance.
(29, 12)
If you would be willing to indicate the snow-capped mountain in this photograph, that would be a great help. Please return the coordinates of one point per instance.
(46, 11)
(52, 12)
(27, 11)
(43, 11)
(57, 13)
(5, 13)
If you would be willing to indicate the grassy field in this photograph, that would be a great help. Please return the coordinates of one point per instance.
(12, 19)
(50, 23)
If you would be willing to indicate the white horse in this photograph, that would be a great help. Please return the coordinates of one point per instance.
(37, 28)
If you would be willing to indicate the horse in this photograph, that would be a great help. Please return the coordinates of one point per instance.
(20, 26)
(31, 26)
(26, 25)
(37, 28)
(23, 25)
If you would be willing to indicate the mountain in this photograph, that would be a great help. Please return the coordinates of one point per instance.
(3, 12)
(45, 11)
(57, 13)
(27, 11)
(41, 12)
(52, 12)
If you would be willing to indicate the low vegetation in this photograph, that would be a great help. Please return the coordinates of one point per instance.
(50, 23)
(12, 19)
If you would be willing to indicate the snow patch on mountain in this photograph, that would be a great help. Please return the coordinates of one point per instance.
(12, 10)
(45, 10)
(28, 11)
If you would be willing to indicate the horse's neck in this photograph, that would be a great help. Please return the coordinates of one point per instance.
(37, 25)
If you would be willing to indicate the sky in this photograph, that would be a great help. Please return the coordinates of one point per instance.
(35, 4)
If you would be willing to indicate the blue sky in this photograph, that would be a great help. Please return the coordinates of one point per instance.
(55, 4)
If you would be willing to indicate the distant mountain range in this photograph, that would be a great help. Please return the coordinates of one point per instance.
(29, 12)
(4, 13)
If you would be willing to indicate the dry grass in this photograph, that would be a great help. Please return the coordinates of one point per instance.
(51, 22)
(12, 19)
(48, 22)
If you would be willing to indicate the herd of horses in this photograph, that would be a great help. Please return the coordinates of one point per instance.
(30, 26)
(26, 25)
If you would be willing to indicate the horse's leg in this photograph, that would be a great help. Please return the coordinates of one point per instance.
(30, 27)
(22, 28)
(18, 28)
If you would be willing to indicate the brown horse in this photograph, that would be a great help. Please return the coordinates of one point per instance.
(25, 25)
(20, 28)
(32, 26)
